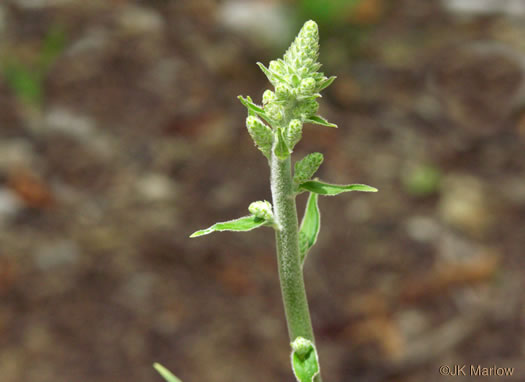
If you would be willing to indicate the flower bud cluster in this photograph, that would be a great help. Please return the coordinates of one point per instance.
(293, 101)
(301, 60)
(308, 107)
(261, 134)
(306, 167)
(261, 210)
(294, 132)
(297, 81)
(305, 48)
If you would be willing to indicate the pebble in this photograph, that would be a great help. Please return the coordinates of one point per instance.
(464, 204)
(140, 20)
(15, 153)
(38, 4)
(95, 39)
(10, 204)
(83, 128)
(487, 7)
(62, 120)
(422, 228)
(261, 21)
(55, 254)
(156, 187)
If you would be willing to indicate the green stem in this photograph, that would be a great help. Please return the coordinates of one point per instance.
(288, 257)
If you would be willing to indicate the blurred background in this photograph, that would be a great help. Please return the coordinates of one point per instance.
(121, 134)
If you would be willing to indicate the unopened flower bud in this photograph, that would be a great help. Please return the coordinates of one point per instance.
(308, 62)
(274, 111)
(309, 107)
(277, 67)
(303, 71)
(261, 210)
(268, 96)
(307, 86)
(301, 346)
(283, 92)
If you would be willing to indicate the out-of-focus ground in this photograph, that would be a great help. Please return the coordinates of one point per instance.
(121, 134)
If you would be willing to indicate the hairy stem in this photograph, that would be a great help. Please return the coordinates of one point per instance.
(288, 257)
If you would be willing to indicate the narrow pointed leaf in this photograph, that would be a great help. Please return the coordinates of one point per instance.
(165, 373)
(295, 80)
(250, 111)
(281, 149)
(324, 84)
(323, 188)
(318, 120)
(253, 108)
(53, 46)
(250, 105)
(246, 223)
(310, 226)
(305, 362)
(272, 76)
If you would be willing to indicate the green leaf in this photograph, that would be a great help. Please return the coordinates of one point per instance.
(253, 108)
(53, 46)
(272, 76)
(295, 80)
(310, 226)
(165, 373)
(325, 83)
(281, 149)
(26, 83)
(322, 188)
(305, 362)
(246, 223)
(318, 120)
(250, 111)
(250, 105)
